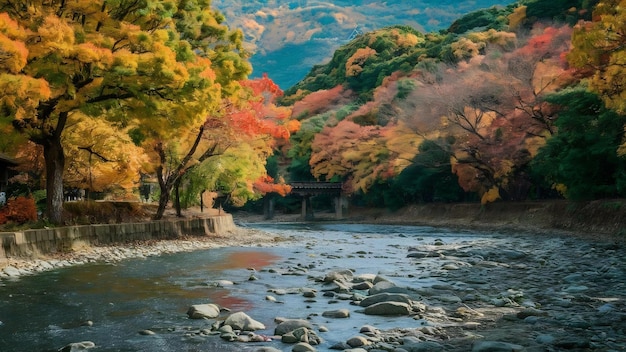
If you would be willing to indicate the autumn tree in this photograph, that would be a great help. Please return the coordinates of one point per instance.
(600, 53)
(236, 143)
(101, 158)
(156, 64)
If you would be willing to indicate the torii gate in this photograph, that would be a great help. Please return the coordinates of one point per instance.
(308, 189)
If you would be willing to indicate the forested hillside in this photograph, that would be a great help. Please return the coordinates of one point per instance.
(509, 103)
(287, 37)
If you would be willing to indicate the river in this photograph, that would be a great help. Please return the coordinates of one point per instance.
(579, 287)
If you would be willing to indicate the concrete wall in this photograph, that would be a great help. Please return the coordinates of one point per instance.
(32, 243)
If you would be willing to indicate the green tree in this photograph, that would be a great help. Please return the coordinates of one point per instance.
(581, 160)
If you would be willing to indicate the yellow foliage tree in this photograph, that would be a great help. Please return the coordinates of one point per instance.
(158, 65)
(354, 64)
(599, 49)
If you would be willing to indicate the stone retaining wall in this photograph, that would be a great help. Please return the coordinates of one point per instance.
(36, 242)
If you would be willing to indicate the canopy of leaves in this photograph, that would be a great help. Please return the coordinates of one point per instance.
(581, 160)
(84, 79)
(476, 93)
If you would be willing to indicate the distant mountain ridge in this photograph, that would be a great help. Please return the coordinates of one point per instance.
(289, 37)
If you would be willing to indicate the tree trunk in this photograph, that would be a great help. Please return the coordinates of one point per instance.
(164, 198)
(55, 165)
(166, 183)
(179, 211)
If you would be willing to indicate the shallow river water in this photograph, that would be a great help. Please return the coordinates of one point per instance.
(541, 293)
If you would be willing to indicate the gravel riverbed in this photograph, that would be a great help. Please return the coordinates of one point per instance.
(433, 290)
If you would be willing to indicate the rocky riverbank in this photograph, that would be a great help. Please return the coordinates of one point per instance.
(396, 289)
(484, 294)
(245, 237)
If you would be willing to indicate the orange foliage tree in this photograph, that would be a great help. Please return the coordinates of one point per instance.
(18, 210)
(234, 144)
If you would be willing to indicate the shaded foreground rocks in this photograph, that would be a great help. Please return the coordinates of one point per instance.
(484, 299)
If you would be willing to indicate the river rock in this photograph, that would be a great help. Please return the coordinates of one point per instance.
(496, 346)
(200, 311)
(545, 339)
(362, 286)
(309, 293)
(369, 330)
(78, 346)
(385, 297)
(291, 325)
(338, 313)
(11, 271)
(387, 286)
(411, 344)
(301, 335)
(345, 275)
(357, 341)
(222, 283)
(225, 329)
(388, 309)
(266, 349)
(303, 347)
(229, 336)
(528, 312)
(241, 321)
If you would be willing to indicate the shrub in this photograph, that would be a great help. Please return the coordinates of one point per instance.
(19, 210)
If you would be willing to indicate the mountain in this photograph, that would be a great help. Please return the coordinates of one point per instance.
(288, 37)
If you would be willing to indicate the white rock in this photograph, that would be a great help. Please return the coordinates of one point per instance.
(12, 271)
(199, 311)
(241, 321)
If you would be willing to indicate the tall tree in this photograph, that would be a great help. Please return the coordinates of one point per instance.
(600, 53)
(249, 123)
(157, 64)
(581, 160)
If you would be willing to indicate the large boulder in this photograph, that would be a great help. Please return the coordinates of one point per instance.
(388, 309)
(241, 321)
(386, 297)
(387, 286)
(290, 325)
(301, 335)
(345, 275)
(201, 311)
(338, 313)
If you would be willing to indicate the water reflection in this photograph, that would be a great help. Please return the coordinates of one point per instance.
(155, 293)
(47, 311)
(250, 259)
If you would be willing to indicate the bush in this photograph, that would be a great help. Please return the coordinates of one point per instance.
(90, 212)
(19, 210)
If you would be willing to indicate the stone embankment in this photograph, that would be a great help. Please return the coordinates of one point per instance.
(38, 250)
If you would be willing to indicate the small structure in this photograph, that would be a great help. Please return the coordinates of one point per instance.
(309, 189)
(5, 172)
